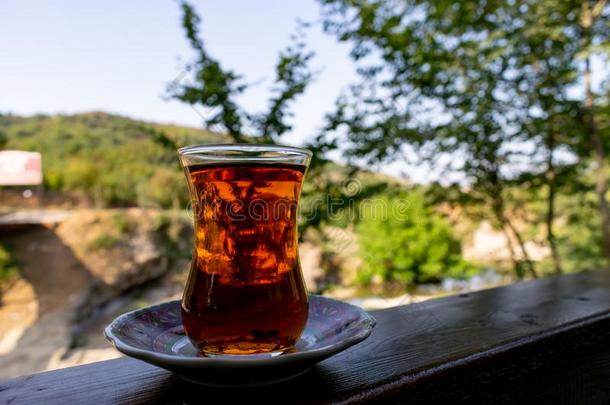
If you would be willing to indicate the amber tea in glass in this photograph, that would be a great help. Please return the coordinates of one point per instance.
(245, 292)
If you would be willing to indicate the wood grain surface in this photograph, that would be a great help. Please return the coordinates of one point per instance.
(544, 341)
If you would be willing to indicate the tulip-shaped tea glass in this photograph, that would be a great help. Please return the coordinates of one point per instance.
(245, 292)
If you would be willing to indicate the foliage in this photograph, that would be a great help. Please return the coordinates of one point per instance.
(331, 194)
(109, 160)
(112, 233)
(489, 84)
(403, 240)
(214, 88)
(8, 268)
(104, 241)
(577, 229)
(578, 237)
(175, 231)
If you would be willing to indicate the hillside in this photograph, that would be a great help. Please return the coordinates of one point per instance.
(109, 160)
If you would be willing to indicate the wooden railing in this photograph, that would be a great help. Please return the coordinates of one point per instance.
(544, 341)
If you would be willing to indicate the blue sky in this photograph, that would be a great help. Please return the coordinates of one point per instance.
(118, 56)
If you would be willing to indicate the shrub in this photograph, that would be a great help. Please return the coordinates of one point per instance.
(104, 241)
(8, 268)
(402, 240)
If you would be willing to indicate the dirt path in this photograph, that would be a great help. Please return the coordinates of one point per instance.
(71, 287)
(37, 311)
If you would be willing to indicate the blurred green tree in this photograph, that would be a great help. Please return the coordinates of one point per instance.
(209, 86)
(402, 240)
(3, 139)
(489, 82)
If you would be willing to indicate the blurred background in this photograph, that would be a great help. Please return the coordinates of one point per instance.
(458, 146)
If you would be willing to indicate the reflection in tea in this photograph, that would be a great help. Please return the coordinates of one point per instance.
(245, 292)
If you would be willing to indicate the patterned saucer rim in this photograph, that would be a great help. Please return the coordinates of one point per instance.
(367, 323)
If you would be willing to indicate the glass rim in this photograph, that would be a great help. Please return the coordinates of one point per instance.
(245, 152)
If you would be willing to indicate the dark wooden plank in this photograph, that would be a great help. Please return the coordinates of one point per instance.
(546, 341)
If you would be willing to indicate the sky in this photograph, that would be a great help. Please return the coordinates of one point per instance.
(70, 56)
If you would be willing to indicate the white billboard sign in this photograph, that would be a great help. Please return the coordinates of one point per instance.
(19, 168)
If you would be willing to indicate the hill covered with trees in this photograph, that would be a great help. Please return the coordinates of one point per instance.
(109, 160)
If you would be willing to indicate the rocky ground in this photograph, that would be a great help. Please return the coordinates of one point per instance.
(77, 275)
